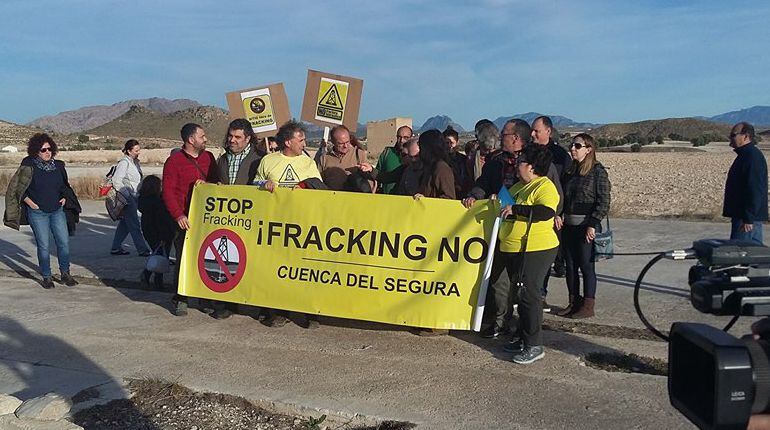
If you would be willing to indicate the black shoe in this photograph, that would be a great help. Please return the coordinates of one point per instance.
(222, 314)
(558, 272)
(120, 251)
(275, 321)
(48, 283)
(180, 308)
(528, 355)
(68, 280)
(145, 254)
(491, 332)
(307, 321)
(515, 345)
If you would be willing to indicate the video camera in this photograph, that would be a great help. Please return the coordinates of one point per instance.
(716, 380)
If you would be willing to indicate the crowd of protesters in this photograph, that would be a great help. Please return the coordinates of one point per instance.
(430, 165)
(560, 198)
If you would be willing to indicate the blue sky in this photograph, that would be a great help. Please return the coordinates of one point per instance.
(598, 61)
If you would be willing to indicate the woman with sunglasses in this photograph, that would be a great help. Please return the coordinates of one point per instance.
(35, 196)
(586, 203)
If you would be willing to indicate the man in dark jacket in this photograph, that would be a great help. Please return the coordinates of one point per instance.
(746, 187)
(238, 165)
(542, 134)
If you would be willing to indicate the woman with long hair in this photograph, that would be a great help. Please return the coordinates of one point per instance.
(586, 203)
(36, 195)
(125, 180)
(425, 172)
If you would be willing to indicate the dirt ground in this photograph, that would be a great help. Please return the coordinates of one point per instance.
(159, 405)
(678, 184)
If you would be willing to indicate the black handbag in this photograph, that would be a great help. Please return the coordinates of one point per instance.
(603, 248)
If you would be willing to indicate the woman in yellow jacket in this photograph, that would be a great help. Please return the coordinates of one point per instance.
(527, 248)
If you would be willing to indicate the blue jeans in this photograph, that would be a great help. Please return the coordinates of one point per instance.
(55, 222)
(755, 234)
(130, 224)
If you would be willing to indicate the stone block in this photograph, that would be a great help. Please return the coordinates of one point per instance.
(51, 406)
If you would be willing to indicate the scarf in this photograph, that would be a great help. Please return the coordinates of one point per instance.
(46, 166)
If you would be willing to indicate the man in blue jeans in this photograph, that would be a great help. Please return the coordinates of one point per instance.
(746, 187)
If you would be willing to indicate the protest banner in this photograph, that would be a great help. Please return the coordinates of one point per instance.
(332, 100)
(266, 107)
(390, 259)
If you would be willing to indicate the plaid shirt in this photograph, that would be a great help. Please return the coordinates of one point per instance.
(588, 195)
(234, 163)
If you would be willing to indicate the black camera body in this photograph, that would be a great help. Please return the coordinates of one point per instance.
(715, 379)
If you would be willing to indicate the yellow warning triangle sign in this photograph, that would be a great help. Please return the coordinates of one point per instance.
(332, 98)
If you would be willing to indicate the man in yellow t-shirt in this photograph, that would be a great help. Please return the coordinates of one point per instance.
(290, 166)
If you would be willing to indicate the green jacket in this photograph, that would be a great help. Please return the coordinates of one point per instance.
(388, 161)
(15, 216)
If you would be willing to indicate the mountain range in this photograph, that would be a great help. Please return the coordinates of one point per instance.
(756, 115)
(161, 117)
(86, 118)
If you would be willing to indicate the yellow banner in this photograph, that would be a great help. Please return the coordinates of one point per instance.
(390, 259)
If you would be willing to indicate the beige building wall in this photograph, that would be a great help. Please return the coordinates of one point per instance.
(381, 134)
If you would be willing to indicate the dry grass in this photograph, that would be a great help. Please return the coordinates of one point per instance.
(86, 187)
(148, 157)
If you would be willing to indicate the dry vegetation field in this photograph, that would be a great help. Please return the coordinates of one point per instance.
(686, 185)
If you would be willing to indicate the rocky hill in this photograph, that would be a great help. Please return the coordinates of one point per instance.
(18, 135)
(685, 128)
(440, 122)
(86, 118)
(140, 121)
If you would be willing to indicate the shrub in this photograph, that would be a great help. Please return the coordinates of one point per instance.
(83, 138)
(659, 139)
(636, 147)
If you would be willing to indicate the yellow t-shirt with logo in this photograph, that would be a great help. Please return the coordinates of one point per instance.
(539, 191)
(286, 171)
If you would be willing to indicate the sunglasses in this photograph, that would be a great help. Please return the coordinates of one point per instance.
(44, 150)
(578, 145)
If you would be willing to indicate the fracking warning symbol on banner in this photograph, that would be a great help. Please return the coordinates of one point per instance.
(258, 108)
(222, 260)
(332, 96)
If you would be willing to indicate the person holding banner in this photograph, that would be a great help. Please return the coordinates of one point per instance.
(237, 166)
(183, 169)
(527, 248)
(289, 167)
(339, 167)
(430, 175)
(391, 158)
